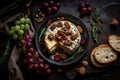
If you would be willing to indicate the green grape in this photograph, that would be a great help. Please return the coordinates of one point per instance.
(27, 27)
(27, 20)
(22, 20)
(12, 31)
(20, 32)
(17, 28)
(15, 36)
(17, 22)
(22, 26)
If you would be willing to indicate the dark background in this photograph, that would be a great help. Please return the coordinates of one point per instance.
(69, 7)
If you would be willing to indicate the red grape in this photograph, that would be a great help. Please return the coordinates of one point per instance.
(36, 54)
(30, 61)
(49, 10)
(83, 11)
(89, 10)
(22, 42)
(51, 2)
(83, 42)
(57, 57)
(87, 4)
(30, 40)
(49, 22)
(41, 66)
(36, 66)
(30, 67)
(48, 71)
(57, 4)
(45, 4)
(54, 9)
(40, 60)
(29, 44)
(27, 37)
(46, 66)
(31, 50)
(28, 55)
(81, 5)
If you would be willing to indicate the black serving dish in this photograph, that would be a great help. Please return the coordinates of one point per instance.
(42, 48)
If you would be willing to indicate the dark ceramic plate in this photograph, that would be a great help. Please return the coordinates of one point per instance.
(45, 53)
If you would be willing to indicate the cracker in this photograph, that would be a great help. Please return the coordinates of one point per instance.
(114, 41)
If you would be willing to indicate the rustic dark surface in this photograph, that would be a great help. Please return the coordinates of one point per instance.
(70, 7)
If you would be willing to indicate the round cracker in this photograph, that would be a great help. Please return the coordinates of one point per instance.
(114, 41)
(104, 54)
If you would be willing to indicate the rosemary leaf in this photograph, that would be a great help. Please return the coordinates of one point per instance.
(42, 32)
(73, 56)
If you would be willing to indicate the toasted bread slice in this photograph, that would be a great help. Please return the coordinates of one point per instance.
(104, 54)
(114, 41)
(94, 62)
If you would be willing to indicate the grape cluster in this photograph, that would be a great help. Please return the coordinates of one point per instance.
(85, 8)
(50, 7)
(32, 59)
(20, 28)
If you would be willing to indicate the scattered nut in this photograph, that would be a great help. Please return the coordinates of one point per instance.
(80, 29)
(114, 22)
(85, 63)
(67, 25)
(39, 16)
(60, 18)
(63, 56)
(36, 15)
(81, 70)
(74, 36)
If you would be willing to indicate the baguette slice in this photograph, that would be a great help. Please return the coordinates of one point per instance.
(104, 54)
(114, 41)
(94, 62)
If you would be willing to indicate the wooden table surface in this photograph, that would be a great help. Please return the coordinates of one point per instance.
(70, 7)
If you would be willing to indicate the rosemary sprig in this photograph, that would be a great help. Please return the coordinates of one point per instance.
(95, 34)
(42, 32)
(96, 22)
(3, 58)
(73, 56)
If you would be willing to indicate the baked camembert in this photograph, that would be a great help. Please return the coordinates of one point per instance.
(62, 34)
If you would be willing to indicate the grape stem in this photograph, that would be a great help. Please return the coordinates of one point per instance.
(28, 8)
